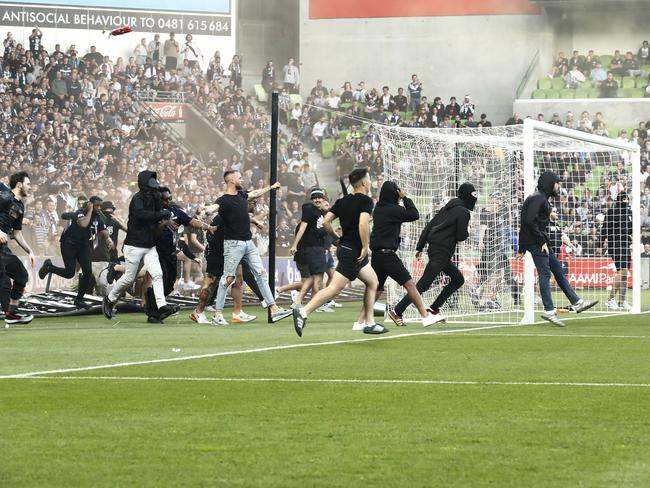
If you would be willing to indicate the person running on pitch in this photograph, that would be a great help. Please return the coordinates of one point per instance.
(387, 220)
(447, 228)
(145, 212)
(617, 230)
(12, 211)
(238, 242)
(533, 237)
(353, 211)
(77, 243)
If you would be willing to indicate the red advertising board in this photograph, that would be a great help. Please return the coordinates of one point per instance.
(167, 111)
(594, 273)
(360, 9)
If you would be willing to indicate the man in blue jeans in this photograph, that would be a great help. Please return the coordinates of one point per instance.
(238, 243)
(535, 217)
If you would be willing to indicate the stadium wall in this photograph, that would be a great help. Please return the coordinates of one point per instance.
(483, 55)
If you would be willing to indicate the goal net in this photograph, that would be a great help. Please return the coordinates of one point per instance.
(504, 164)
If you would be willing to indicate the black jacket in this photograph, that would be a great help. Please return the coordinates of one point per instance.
(535, 213)
(388, 216)
(617, 228)
(145, 211)
(447, 228)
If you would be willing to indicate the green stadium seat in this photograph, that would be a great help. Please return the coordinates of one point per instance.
(567, 93)
(619, 80)
(628, 82)
(345, 106)
(606, 60)
(327, 147)
(594, 92)
(544, 84)
(343, 135)
(538, 94)
(295, 98)
(552, 94)
(641, 81)
(582, 93)
(260, 93)
(558, 84)
(636, 92)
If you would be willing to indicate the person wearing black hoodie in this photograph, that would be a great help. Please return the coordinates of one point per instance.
(533, 237)
(388, 217)
(145, 212)
(617, 230)
(447, 228)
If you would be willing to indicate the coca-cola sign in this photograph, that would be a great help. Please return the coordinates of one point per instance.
(167, 111)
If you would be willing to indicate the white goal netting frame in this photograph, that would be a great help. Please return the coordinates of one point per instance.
(504, 163)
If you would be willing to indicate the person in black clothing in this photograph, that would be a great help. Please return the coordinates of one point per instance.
(353, 212)
(145, 212)
(77, 242)
(387, 218)
(447, 228)
(104, 260)
(12, 211)
(36, 42)
(308, 248)
(617, 231)
(533, 238)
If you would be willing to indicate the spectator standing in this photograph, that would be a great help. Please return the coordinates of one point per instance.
(171, 49)
(415, 92)
(36, 42)
(140, 52)
(291, 76)
(153, 50)
(235, 70)
(644, 53)
(191, 52)
(268, 77)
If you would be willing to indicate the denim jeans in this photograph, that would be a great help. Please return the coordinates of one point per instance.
(547, 264)
(415, 102)
(233, 253)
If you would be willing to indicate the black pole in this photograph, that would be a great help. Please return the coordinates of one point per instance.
(272, 199)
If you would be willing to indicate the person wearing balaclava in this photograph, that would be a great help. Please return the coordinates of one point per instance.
(533, 237)
(388, 217)
(145, 212)
(617, 232)
(441, 235)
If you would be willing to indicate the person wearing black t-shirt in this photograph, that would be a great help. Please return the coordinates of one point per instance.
(447, 228)
(103, 260)
(77, 243)
(12, 211)
(353, 212)
(308, 246)
(238, 242)
(36, 42)
(617, 230)
(388, 218)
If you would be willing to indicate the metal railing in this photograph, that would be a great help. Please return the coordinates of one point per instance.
(162, 96)
(532, 66)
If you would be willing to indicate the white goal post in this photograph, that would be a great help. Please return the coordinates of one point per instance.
(504, 164)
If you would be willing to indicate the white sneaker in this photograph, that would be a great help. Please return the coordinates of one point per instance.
(294, 295)
(210, 308)
(325, 308)
(199, 318)
(219, 319)
(612, 305)
(359, 326)
(242, 317)
(431, 319)
(264, 304)
(625, 306)
(333, 304)
(190, 285)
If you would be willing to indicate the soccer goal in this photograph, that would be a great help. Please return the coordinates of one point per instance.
(504, 164)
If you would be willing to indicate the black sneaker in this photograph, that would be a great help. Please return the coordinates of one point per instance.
(107, 308)
(110, 274)
(12, 317)
(299, 322)
(81, 304)
(375, 329)
(45, 269)
(154, 320)
(166, 311)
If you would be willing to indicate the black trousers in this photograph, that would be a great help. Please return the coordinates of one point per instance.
(11, 268)
(73, 252)
(435, 266)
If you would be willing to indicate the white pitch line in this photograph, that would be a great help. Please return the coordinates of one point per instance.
(340, 381)
(563, 336)
(249, 351)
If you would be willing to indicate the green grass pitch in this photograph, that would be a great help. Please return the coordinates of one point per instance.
(470, 406)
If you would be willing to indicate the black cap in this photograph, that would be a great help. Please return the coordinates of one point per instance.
(107, 205)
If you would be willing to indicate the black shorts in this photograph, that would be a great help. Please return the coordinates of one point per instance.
(214, 265)
(622, 258)
(348, 265)
(389, 265)
(491, 263)
(310, 261)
